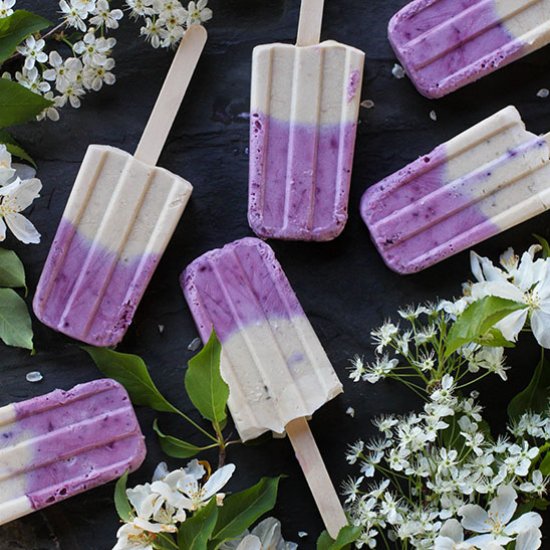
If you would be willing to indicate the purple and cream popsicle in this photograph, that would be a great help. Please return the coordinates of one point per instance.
(63, 443)
(303, 121)
(277, 371)
(487, 179)
(120, 216)
(444, 45)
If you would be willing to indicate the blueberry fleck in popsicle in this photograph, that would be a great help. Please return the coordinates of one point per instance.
(276, 368)
(446, 44)
(60, 444)
(119, 218)
(484, 181)
(304, 109)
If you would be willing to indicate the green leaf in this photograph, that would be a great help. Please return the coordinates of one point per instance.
(14, 148)
(544, 466)
(122, 504)
(478, 319)
(15, 28)
(18, 104)
(174, 447)
(347, 536)
(545, 246)
(15, 321)
(131, 372)
(195, 532)
(241, 510)
(535, 396)
(12, 272)
(493, 338)
(204, 383)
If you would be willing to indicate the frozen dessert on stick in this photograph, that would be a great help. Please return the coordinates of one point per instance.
(484, 181)
(277, 371)
(446, 44)
(304, 109)
(60, 444)
(119, 218)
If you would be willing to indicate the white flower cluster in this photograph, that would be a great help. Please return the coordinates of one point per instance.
(449, 462)
(265, 536)
(525, 280)
(80, 66)
(167, 20)
(163, 504)
(18, 189)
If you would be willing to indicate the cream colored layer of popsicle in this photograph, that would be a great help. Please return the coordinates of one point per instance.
(517, 187)
(11, 508)
(528, 20)
(286, 357)
(125, 205)
(307, 85)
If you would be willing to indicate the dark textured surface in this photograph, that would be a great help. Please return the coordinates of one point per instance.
(343, 286)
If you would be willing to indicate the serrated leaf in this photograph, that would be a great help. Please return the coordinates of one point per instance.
(122, 504)
(15, 28)
(535, 396)
(241, 510)
(478, 319)
(15, 321)
(12, 272)
(204, 383)
(174, 447)
(195, 532)
(131, 372)
(18, 104)
(346, 537)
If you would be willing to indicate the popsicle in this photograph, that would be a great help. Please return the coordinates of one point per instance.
(60, 444)
(303, 121)
(277, 371)
(446, 44)
(487, 179)
(119, 218)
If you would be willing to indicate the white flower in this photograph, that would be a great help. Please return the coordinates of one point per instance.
(6, 8)
(381, 368)
(131, 537)
(528, 284)
(521, 457)
(495, 525)
(350, 489)
(87, 6)
(451, 537)
(410, 313)
(64, 72)
(14, 198)
(529, 540)
(197, 13)
(355, 451)
(6, 170)
(32, 51)
(50, 112)
(357, 369)
(72, 93)
(492, 359)
(384, 336)
(537, 484)
(73, 16)
(140, 8)
(32, 79)
(151, 31)
(444, 392)
(267, 534)
(97, 75)
(103, 15)
(94, 50)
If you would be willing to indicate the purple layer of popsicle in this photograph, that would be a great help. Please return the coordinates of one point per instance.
(87, 292)
(236, 286)
(428, 246)
(85, 437)
(466, 42)
(299, 178)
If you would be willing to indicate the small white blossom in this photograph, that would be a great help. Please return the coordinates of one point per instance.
(6, 8)
(14, 198)
(32, 51)
(103, 15)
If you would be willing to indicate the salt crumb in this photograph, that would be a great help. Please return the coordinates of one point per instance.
(302, 534)
(543, 93)
(34, 376)
(367, 104)
(161, 328)
(194, 345)
(351, 412)
(433, 115)
(398, 71)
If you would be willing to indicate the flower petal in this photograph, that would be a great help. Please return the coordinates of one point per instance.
(22, 193)
(250, 542)
(529, 540)
(512, 324)
(530, 520)
(217, 481)
(504, 505)
(453, 530)
(474, 518)
(540, 325)
(22, 228)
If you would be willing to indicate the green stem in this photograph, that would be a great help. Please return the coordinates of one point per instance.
(194, 424)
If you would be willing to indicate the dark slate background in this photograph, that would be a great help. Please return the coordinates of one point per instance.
(343, 286)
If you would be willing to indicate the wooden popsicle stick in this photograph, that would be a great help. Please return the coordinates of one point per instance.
(317, 477)
(171, 95)
(309, 26)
